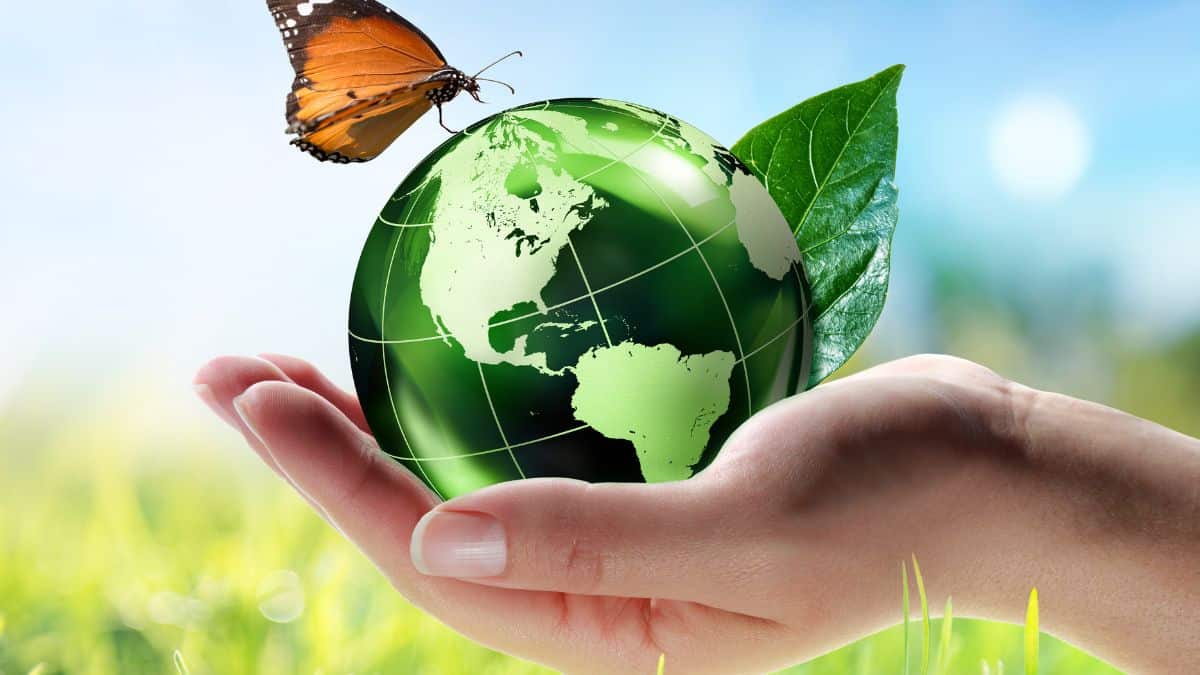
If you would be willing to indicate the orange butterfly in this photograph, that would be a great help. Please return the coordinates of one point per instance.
(363, 76)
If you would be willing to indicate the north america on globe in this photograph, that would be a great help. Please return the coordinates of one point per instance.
(582, 288)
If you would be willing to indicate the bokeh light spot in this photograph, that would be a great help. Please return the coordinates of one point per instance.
(281, 597)
(1039, 148)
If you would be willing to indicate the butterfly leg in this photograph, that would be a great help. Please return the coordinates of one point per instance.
(442, 121)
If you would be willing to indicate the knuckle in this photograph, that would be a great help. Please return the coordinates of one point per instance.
(580, 559)
(583, 566)
(1019, 405)
(366, 469)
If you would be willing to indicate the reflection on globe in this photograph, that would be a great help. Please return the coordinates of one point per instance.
(579, 288)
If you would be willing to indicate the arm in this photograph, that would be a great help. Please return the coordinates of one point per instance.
(1118, 502)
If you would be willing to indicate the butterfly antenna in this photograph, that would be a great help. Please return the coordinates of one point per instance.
(493, 63)
(506, 85)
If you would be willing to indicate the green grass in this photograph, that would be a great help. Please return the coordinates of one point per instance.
(944, 646)
(946, 642)
(906, 614)
(136, 543)
(924, 617)
(1031, 634)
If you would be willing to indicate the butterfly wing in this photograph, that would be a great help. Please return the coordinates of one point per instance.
(362, 72)
(359, 132)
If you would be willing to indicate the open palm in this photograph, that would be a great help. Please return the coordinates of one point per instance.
(785, 547)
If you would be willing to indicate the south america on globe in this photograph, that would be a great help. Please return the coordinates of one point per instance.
(581, 288)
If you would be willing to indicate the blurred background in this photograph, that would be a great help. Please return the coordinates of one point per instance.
(154, 216)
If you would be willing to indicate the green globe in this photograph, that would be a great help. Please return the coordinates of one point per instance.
(580, 288)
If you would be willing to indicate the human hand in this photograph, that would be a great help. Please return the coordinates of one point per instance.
(785, 547)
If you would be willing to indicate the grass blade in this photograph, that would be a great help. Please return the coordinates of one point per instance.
(1031, 634)
(181, 666)
(662, 662)
(943, 661)
(924, 617)
(904, 580)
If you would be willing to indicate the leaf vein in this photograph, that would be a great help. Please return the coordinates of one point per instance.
(820, 188)
(850, 225)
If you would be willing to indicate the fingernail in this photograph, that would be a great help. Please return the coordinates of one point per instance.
(239, 405)
(459, 544)
(205, 393)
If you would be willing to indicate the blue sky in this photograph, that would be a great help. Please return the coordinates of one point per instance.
(154, 214)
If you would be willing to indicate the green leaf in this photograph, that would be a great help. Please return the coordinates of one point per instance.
(830, 163)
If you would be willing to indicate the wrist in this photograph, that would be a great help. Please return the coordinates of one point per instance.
(978, 519)
(1112, 530)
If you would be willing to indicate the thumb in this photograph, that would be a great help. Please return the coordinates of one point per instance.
(665, 540)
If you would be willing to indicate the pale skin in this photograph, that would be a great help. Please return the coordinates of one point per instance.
(790, 543)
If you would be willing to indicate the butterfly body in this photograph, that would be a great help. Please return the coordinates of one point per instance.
(364, 75)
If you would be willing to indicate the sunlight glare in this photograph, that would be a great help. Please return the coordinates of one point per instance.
(1039, 148)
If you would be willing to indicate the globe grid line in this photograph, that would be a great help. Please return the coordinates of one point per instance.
(565, 303)
(401, 226)
(767, 343)
(578, 265)
(492, 451)
(737, 338)
(712, 275)
(495, 416)
(591, 296)
(776, 338)
(396, 198)
(791, 327)
(648, 141)
(387, 382)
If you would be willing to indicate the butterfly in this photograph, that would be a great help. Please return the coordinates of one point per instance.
(364, 75)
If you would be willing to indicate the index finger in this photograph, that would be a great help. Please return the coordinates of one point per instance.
(376, 503)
